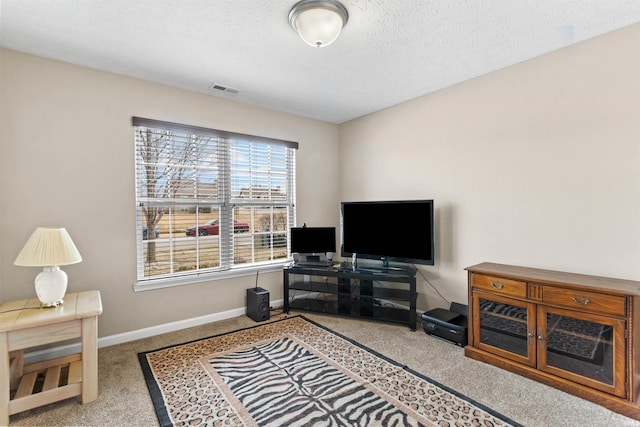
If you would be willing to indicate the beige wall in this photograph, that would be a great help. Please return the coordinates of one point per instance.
(68, 160)
(537, 164)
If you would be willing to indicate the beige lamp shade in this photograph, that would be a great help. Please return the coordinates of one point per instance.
(47, 247)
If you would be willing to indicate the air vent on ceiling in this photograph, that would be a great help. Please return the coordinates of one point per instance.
(222, 88)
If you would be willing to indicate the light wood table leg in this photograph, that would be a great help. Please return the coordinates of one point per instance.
(16, 361)
(89, 359)
(5, 379)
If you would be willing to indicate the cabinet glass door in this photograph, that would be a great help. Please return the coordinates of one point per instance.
(582, 347)
(504, 326)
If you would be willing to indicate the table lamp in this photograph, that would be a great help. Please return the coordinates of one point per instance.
(49, 248)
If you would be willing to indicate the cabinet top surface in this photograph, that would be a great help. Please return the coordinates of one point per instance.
(630, 287)
(27, 313)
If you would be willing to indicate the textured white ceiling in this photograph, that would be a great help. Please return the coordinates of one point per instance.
(390, 50)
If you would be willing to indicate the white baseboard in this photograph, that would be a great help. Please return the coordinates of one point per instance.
(65, 350)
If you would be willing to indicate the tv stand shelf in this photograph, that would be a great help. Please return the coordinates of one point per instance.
(386, 295)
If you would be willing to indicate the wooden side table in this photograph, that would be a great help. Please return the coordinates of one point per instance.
(23, 324)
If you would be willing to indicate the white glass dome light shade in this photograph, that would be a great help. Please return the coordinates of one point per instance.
(318, 23)
(318, 27)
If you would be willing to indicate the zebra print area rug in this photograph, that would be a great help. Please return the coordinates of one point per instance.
(294, 372)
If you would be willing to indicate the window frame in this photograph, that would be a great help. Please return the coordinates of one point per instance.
(225, 202)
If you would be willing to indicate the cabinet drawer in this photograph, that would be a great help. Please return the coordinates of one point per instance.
(585, 301)
(500, 285)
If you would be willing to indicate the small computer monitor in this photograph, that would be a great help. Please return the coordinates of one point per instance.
(313, 240)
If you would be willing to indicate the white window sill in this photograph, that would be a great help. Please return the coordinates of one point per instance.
(151, 284)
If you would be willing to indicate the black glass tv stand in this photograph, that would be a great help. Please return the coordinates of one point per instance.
(386, 269)
(377, 293)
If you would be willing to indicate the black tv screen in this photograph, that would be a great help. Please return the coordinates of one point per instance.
(313, 240)
(397, 231)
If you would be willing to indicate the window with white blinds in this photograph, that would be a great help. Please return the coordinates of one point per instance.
(210, 201)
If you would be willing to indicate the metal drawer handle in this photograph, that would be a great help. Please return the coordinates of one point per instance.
(581, 299)
(497, 285)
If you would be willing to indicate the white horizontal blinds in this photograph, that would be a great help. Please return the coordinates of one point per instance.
(258, 172)
(176, 166)
(209, 200)
(261, 192)
(138, 121)
(178, 182)
(226, 216)
(292, 195)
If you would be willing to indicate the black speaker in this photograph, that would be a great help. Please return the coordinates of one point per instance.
(258, 304)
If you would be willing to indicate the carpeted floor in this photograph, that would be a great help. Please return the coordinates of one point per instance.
(123, 397)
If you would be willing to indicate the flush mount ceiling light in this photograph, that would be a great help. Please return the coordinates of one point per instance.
(318, 22)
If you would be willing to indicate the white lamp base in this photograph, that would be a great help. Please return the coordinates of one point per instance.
(51, 285)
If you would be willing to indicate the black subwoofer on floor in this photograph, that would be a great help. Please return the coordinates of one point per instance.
(258, 304)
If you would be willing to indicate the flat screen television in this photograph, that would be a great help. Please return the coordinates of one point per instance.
(309, 241)
(389, 231)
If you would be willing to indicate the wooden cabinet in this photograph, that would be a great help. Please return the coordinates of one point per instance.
(574, 332)
(388, 295)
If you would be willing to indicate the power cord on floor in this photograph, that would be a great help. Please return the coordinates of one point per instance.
(279, 311)
(432, 286)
